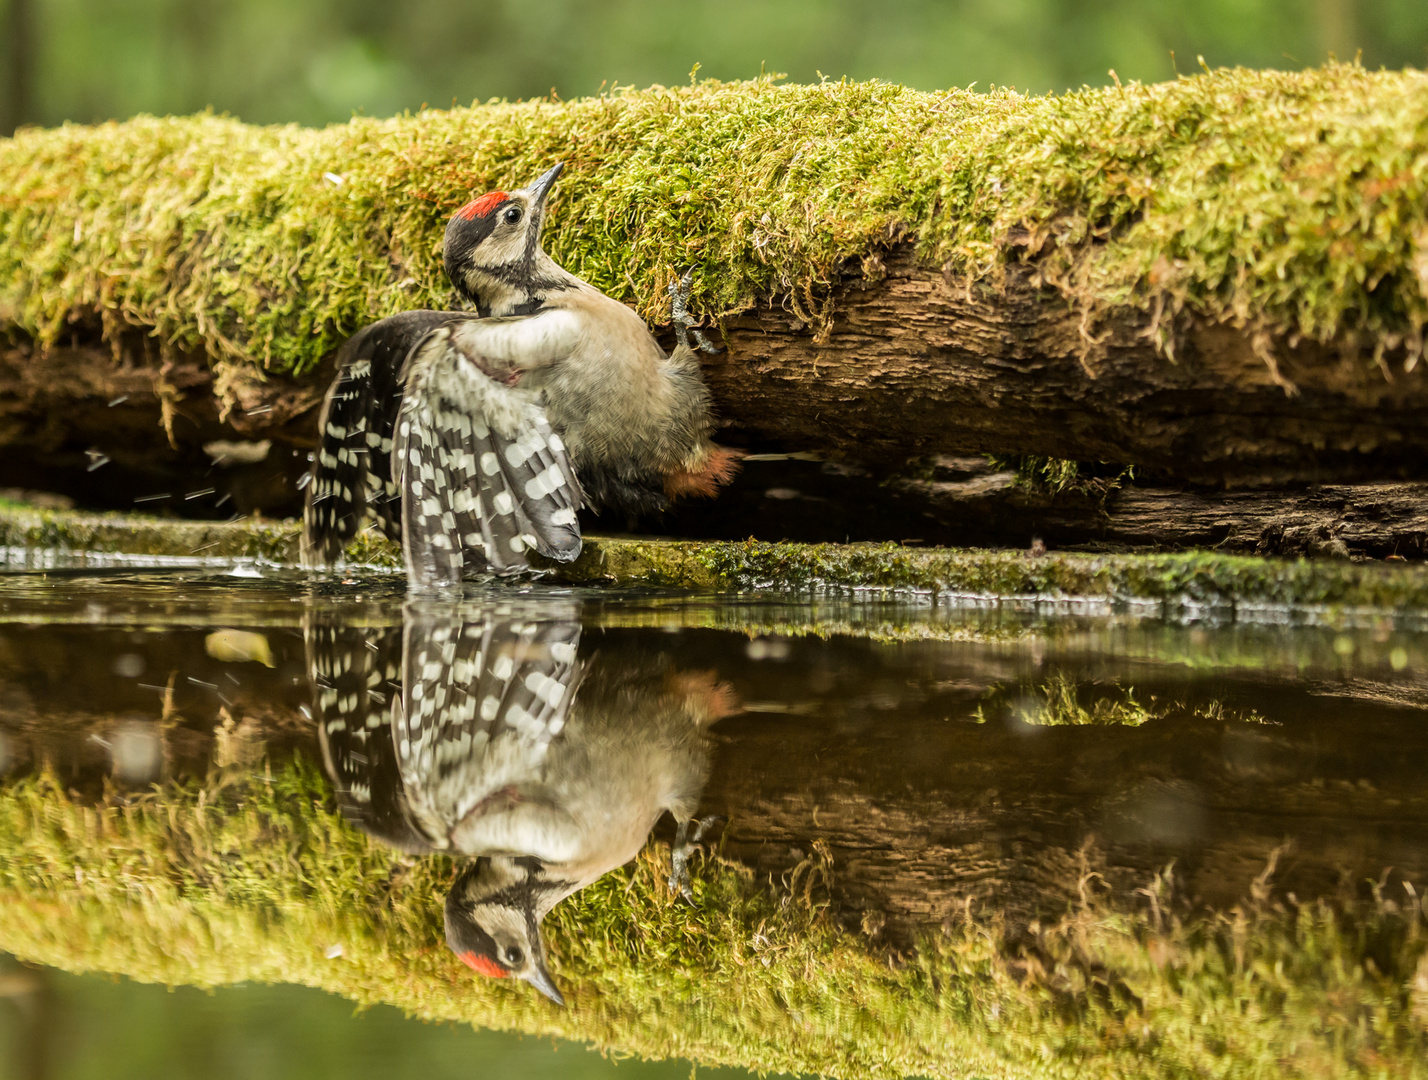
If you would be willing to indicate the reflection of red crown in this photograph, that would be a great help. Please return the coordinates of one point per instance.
(485, 965)
(482, 206)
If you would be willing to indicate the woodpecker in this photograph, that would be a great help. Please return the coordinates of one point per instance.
(476, 437)
(489, 737)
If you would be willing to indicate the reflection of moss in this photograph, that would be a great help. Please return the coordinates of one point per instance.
(1289, 202)
(262, 882)
(1063, 702)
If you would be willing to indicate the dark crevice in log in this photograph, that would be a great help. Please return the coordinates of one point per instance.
(122, 432)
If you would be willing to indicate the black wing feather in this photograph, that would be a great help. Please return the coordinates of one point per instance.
(355, 674)
(351, 479)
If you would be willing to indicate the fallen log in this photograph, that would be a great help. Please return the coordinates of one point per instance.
(1219, 279)
(917, 363)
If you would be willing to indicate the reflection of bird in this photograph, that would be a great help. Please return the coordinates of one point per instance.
(479, 424)
(503, 745)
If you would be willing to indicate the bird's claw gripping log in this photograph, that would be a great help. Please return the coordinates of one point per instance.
(686, 845)
(679, 314)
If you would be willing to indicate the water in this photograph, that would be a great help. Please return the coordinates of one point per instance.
(981, 839)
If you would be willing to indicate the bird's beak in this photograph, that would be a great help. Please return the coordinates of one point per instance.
(541, 188)
(540, 978)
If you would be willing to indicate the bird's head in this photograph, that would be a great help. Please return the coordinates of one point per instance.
(492, 249)
(493, 925)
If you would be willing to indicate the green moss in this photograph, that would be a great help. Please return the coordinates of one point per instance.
(1057, 475)
(1237, 582)
(1296, 203)
(254, 878)
(1063, 702)
(132, 534)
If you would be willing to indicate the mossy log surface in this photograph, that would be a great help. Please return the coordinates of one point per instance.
(1250, 587)
(1220, 278)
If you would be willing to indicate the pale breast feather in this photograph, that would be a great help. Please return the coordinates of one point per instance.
(521, 342)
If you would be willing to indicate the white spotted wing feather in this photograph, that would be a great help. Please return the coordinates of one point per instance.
(481, 704)
(483, 478)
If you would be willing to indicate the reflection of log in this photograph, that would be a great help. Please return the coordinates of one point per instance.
(876, 757)
(921, 821)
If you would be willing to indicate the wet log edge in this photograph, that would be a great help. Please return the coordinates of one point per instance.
(1234, 586)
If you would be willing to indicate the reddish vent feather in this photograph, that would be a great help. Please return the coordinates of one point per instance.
(483, 964)
(719, 467)
(484, 205)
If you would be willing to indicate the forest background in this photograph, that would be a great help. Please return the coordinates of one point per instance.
(321, 61)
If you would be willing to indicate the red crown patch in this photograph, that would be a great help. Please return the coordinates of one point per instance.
(483, 206)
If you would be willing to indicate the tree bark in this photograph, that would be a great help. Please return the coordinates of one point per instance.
(985, 506)
(911, 365)
(915, 364)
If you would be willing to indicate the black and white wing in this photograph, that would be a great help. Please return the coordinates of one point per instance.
(482, 701)
(355, 674)
(482, 476)
(351, 482)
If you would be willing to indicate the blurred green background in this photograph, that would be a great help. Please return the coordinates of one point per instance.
(55, 1026)
(319, 61)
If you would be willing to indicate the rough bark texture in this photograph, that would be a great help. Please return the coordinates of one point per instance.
(986, 506)
(916, 364)
(911, 365)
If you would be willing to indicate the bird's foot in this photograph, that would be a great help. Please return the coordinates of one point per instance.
(679, 313)
(686, 845)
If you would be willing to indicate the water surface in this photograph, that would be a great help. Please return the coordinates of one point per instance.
(898, 771)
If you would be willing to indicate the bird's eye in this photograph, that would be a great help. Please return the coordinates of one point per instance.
(514, 957)
(513, 215)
